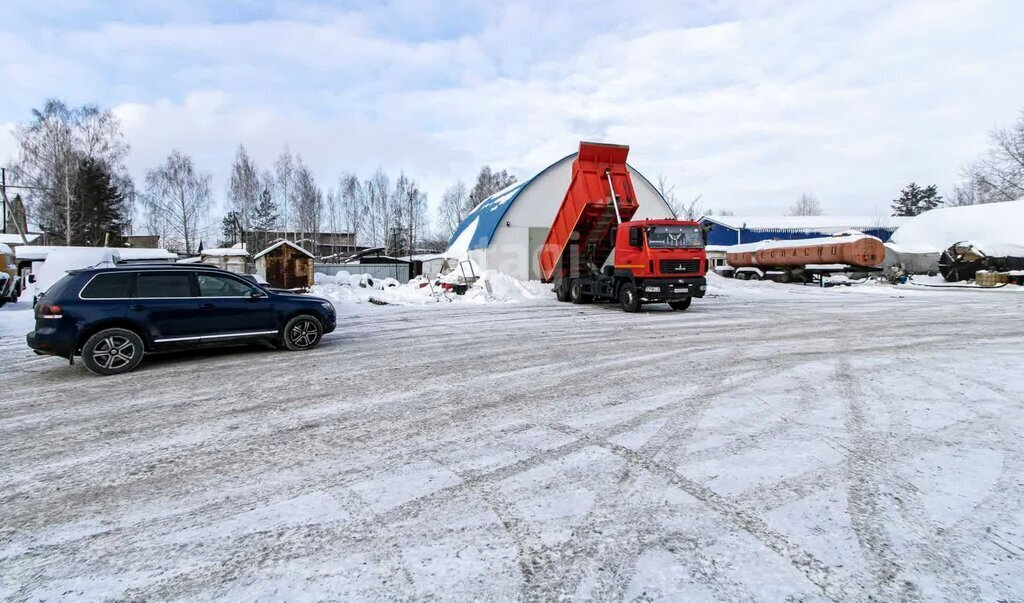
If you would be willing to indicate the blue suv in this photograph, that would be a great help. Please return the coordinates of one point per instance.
(113, 316)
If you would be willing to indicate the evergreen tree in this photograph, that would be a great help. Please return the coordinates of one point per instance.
(264, 219)
(230, 230)
(915, 200)
(99, 207)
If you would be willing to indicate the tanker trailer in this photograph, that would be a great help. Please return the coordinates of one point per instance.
(804, 259)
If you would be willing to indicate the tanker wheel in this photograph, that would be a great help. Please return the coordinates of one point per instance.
(576, 292)
(753, 276)
(629, 298)
(681, 304)
(562, 291)
(785, 277)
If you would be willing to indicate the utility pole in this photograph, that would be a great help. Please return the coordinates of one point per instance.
(412, 200)
(8, 209)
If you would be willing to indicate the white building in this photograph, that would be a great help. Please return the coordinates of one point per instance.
(506, 230)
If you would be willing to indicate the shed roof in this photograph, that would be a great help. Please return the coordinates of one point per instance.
(218, 252)
(15, 239)
(809, 223)
(278, 244)
(41, 252)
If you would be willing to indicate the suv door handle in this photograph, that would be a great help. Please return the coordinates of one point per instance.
(206, 306)
(138, 307)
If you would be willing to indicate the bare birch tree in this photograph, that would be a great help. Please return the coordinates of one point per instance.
(806, 205)
(453, 208)
(353, 204)
(999, 174)
(309, 204)
(284, 187)
(244, 189)
(682, 210)
(177, 200)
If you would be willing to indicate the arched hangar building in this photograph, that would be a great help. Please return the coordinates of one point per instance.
(506, 230)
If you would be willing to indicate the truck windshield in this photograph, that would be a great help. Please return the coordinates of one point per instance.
(669, 237)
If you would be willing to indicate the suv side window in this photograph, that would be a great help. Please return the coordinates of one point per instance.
(212, 285)
(163, 284)
(108, 285)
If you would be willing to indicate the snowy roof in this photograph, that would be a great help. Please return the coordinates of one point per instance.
(5, 249)
(939, 228)
(15, 239)
(809, 223)
(478, 227)
(278, 244)
(40, 252)
(218, 252)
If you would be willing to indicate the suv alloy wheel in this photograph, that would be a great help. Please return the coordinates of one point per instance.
(113, 351)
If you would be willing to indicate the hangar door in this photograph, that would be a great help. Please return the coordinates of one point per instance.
(537, 238)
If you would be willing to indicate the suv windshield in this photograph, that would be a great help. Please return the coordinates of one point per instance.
(670, 237)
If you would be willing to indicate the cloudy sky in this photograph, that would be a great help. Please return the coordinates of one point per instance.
(749, 102)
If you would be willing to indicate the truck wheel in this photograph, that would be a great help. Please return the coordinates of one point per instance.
(754, 276)
(113, 351)
(629, 298)
(576, 292)
(681, 304)
(562, 291)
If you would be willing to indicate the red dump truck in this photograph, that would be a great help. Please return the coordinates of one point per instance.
(655, 261)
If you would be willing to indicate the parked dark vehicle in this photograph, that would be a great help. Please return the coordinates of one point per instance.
(113, 316)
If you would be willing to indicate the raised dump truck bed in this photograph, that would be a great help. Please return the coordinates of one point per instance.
(599, 188)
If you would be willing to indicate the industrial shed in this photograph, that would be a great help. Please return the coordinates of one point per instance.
(736, 230)
(506, 230)
(285, 265)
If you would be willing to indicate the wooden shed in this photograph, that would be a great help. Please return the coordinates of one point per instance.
(285, 265)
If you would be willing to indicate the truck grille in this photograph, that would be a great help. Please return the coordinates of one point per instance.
(680, 266)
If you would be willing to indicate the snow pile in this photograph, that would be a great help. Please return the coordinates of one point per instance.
(16, 320)
(491, 287)
(937, 229)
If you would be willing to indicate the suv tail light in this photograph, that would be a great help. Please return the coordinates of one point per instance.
(44, 310)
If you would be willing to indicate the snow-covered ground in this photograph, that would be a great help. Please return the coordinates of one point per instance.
(771, 442)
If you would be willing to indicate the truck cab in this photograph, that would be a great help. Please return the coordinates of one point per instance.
(655, 261)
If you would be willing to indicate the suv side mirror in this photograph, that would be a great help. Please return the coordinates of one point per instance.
(636, 237)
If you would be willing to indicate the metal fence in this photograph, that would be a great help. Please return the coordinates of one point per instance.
(399, 272)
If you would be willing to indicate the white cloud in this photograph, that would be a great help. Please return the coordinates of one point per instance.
(749, 103)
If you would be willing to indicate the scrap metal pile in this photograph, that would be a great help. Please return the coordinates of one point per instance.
(989, 263)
